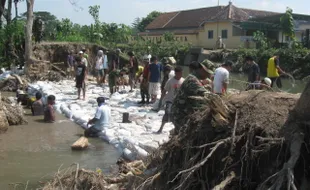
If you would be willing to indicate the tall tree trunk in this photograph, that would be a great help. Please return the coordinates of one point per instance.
(16, 9)
(28, 36)
(9, 13)
(1, 11)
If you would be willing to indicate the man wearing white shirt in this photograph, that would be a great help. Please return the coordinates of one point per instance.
(169, 92)
(101, 119)
(221, 78)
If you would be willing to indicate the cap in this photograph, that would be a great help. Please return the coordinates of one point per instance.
(208, 66)
(81, 52)
(146, 57)
(267, 81)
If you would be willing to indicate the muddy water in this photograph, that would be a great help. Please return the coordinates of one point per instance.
(30, 152)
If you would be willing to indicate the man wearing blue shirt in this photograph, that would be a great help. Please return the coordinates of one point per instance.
(154, 78)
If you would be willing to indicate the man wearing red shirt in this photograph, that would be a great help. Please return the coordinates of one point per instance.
(144, 87)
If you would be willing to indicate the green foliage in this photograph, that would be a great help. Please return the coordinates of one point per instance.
(287, 23)
(147, 20)
(260, 39)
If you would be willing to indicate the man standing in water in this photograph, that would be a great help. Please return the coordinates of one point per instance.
(49, 112)
(37, 107)
(101, 119)
(253, 72)
(171, 87)
(221, 78)
(273, 70)
(183, 106)
(80, 78)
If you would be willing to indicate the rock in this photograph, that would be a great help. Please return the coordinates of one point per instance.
(80, 144)
(4, 124)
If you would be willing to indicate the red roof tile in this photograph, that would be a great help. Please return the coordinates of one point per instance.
(194, 18)
(161, 20)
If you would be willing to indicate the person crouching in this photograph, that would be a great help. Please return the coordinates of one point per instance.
(100, 121)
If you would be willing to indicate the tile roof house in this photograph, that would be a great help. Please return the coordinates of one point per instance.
(203, 26)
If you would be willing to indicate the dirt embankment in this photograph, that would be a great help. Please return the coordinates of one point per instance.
(57, 52)
(10, 114)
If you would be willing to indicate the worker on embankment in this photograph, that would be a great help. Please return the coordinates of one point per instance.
(274, 71)
(144, 86)
(168, 93)
(101, 119)
(183, 106)
(221, 78)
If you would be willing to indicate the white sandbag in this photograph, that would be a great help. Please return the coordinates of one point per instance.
(141, 152)
(123, 132)
(128, 154)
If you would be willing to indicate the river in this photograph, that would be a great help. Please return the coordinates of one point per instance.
(34, 152)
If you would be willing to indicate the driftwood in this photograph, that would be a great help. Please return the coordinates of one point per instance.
(80, 144)
(56, 68)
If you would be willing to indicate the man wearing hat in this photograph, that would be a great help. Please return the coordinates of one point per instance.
(101, 119)
(184, 106)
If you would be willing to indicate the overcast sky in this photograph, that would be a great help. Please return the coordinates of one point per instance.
(125, 11)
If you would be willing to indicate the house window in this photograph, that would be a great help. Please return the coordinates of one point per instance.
(210, 34)
(224, 34)
(185, 39)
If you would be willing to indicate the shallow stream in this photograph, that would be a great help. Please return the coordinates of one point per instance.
(34, 152)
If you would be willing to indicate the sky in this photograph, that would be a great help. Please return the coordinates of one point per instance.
(125, 11)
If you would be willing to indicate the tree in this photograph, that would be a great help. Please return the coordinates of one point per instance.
(50, 22)
(135, 25)
(2, 5)
(16, 8)
(147, 20)
(287, 23)
(28, 32)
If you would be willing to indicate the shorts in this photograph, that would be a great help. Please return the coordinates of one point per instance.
(80, 84)
(99, 72)
(92, 132)
(168, 116)
(154, 88)
(132, 77)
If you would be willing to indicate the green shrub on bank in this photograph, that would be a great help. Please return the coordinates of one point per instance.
(290, 59)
